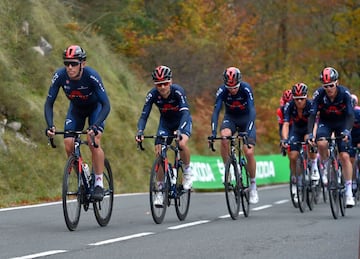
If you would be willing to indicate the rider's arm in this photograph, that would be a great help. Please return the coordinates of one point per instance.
(313, 112)
(183, 108)
(145, 111)
(103, 98)
(50, 100)
(216, 111)
(251, 106)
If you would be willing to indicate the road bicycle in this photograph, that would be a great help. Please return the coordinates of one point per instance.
(166, 180)
(336, 185)
(356, 175)
(237, 178)
(78, 185)
(305, 187)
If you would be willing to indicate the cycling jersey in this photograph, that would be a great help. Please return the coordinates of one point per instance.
(334, 116)
(174, 111)
(239, 110)
(299, 122)
(87, 98)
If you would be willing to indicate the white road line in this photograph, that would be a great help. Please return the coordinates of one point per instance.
(189, 224)
(114, 240)
(47, 253)
(281, 201)
(262, 207)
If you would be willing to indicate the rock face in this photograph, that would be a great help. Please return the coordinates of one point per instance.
(14, 126)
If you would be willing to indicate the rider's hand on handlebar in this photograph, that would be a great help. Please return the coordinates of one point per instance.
(50, 132)
(346, 133)
(139, 136)
(310, 139)
(284, 143)
(93, 130)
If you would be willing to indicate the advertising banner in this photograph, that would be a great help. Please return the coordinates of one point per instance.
(208, 171)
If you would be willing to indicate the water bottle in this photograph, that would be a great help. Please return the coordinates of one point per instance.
(86, 171)
(174, 175)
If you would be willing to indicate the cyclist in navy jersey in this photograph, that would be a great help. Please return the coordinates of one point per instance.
(238, 98)
(333, 102)
(174, 117)
(285, 98)
(355, 136)
(298, 111)
(83, 87)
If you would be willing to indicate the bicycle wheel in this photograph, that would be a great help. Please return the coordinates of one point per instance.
(333, 189)
(158, 186)
(341, 190)
(293, 194)
(70, 194)
(310, 190)
(103, 209)
(245, 190)
(300, 185)
(323, 187)
(232, 188)
(182, 199)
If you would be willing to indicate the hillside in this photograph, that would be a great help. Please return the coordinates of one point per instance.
(34, 172)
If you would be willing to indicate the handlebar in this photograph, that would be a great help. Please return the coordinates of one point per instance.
(241, 135)
(140, 146)
(75, 132)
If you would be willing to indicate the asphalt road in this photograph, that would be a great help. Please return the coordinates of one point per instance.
(274, 229)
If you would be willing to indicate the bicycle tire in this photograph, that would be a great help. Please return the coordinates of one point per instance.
(323, 188)
(342, 197)
(292, 195)
(70, 194)
(231, 183)
(103, 209)
(300, 185)
(158, 213)
(245, 190)
(333, 189)
(310, 191)
(182, 199)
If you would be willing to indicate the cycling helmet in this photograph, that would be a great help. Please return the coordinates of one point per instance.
(354, 100)
(299, 90)
(329, 75)
(287, 96)
(161, 74)
(232, 77)
(74, 52)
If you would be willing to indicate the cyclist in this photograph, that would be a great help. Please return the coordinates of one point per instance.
(355, 136)
(83, 87)
(240, 112)
(174, 116)
(298, 111)
(333, 101)
(285, 98)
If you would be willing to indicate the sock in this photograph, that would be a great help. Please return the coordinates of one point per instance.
(314, 166)
(348, 188)
(253, 183)
(293, 179)
(99, 180)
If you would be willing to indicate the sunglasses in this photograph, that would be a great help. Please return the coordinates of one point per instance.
(72, 63)
(232, 87)
(299, 99)
(331, 85)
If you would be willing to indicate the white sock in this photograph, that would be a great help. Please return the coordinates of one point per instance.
(99, 180)
(253, 183)
(348, 188)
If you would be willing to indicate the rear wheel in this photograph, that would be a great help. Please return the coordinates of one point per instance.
(103, 209)
(182, 199)
(70, 194)
(231, 188)
(158, 186)
(293, 193)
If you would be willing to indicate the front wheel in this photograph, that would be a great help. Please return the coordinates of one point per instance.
(232, 181)
(245, 190)
(334, 197)
(71, 194)
(182, 199)
(103, 209)
(159, 191)
(301, 185)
